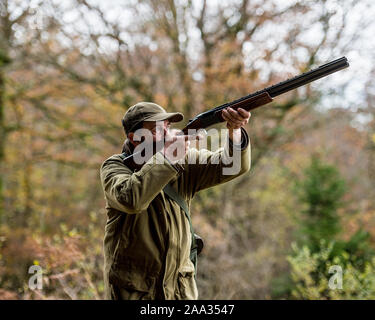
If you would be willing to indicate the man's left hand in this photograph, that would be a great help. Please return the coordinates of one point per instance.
(235, 120)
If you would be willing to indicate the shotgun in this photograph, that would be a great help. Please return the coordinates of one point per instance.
(256, 99)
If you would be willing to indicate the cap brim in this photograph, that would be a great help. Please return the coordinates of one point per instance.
(171, 116)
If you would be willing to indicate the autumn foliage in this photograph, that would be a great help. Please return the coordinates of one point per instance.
(68, 72)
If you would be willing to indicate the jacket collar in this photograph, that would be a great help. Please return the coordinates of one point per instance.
(127, 147)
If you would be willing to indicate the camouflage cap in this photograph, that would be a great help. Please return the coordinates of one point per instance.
(147, 111)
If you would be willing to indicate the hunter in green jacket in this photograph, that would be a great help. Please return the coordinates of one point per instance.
(148, 237)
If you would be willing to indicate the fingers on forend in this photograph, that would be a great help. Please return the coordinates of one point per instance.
(244, 113)
(235, 115)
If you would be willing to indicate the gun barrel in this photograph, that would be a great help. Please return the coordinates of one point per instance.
(307, 77)
(289, 84)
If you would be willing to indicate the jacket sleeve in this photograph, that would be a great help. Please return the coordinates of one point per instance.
(219, 167)
(132, 192)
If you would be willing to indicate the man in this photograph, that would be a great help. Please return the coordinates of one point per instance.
(148, 235)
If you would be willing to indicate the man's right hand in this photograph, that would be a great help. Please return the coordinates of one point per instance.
(175, 146)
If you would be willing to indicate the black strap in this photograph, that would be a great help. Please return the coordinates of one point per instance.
(173, 194)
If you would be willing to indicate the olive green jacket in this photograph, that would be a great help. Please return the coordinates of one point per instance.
(147, 235)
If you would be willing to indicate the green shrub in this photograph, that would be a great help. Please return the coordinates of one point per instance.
(314, 276)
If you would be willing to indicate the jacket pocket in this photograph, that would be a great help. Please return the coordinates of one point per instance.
(186, 282)
(119, 293)
(132, 279)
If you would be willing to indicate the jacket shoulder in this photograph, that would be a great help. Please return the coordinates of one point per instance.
(116, 159)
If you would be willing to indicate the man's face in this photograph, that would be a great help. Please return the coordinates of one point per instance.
(158, 129)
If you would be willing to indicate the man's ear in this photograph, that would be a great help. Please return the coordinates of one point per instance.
(131, 138)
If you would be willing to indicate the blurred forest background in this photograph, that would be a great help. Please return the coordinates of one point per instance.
(70, 69)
